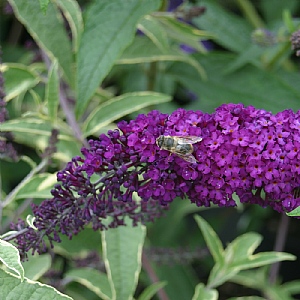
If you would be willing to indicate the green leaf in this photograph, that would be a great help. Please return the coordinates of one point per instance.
(36, 98)
(67, 148)
(93, 280)
(181, 278)
(239, 253)
(184, 33)
(30, 219)
(294, 213)
(152, 28)
(122, 250)
(149, 292)
(262, 259)
(239, 256)
(142, 50)
(201, 293)
(52, 91)
(238, 87)
(44, 4)
(247, 298)
(85, 241)
(212, 240)
(35, 132)
(288, 20)
(272, 10)
(36, 266)
(72, 12)
(250, 56)
(9, 256)
(242, 247)
(18, 79)
(292, 287)
(120, 106)
(38, 187)
(13, 288)
(48, 31)
(30, 131)
(110, 27)
(254, 279)
(219, 274)
(258, 279)
(225, 271)
(230, 31)
(276, 292)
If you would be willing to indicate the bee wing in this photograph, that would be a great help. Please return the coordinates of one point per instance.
(189, 139)
(189, 158)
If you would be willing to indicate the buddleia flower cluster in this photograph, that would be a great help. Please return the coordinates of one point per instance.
(244, 152)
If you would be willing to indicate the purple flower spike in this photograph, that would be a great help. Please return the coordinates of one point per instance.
(244, 151)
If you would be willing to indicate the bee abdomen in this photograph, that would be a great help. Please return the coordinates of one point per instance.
(184, 149)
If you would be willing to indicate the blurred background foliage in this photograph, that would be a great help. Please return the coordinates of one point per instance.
(208, 53)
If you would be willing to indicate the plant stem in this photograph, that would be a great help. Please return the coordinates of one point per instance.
(162, 295)
(12, 194)
(250, 13)
(151, 76)
(69, 113)
(18, 212)
(71, 118)
(279, 245)
(284, 49)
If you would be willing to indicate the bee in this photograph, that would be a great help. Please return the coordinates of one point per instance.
(182, 146)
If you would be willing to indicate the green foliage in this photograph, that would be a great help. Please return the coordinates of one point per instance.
(230, 31)
(212, 240)
(151, 290)
(122, 253)
(93, 280)
(37, 187)
(18, 79)
(257, 279)
(72, 13)
(184, 33)
(201, 293)
(237, 256)
(92, 68)
(9, 256)
(37, 266)
(44, 5)
(42, 28)
(294, 213)
(103, 42)
(52, 92)
(14, 288)
(119, 107)
(35, 131)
